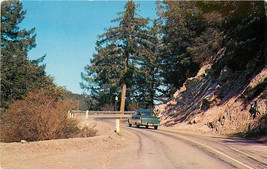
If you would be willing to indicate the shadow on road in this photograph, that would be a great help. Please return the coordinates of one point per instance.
(143, 128)
(237, 139)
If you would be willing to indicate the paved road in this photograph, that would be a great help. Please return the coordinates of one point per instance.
(165, 148)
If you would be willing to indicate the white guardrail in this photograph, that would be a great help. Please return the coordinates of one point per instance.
(73, 113)
(101, 112)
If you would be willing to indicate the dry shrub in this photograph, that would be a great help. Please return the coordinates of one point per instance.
(132, 107)
(107, 107)
(39, 116)
(87, 132)
(259, 128)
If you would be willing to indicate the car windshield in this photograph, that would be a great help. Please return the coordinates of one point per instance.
(144, 113)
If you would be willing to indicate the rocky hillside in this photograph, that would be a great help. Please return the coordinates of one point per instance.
(233, 102)
(228, 95)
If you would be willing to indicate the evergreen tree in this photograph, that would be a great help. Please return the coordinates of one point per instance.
(181, 24)
(115, 62)
(18, 74)
(148, 74)
(222, 33)
(239, 29)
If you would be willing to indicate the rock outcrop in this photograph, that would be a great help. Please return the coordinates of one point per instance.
(231, 103)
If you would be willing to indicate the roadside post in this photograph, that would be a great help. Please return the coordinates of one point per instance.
(118, 125)
(122, 104)
(86, 116)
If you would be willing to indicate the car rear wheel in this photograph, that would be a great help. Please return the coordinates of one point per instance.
(137, 125)
(130, 125)
(155, 127)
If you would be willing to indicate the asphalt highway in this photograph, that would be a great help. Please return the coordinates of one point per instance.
(165, 148)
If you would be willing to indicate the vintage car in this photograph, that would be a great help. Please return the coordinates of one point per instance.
(144, 118)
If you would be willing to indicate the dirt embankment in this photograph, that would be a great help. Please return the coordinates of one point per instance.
(64, 153)
(135, 149)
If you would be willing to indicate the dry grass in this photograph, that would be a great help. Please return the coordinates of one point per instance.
(39, 116)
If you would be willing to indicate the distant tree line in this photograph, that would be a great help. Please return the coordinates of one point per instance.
(155, 57)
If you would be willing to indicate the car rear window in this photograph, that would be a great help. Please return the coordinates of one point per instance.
(147, 113)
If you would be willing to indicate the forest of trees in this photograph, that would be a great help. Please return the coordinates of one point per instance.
(155, 57)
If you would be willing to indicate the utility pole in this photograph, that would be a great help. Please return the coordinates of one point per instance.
(123, 94)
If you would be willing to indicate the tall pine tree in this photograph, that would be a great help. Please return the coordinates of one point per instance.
(148, 74)
(115, 62)
(19, 75)
(181, 24)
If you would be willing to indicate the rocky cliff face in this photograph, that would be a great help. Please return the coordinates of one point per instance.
(231, 102)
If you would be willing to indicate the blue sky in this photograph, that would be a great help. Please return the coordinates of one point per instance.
(67, 32)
